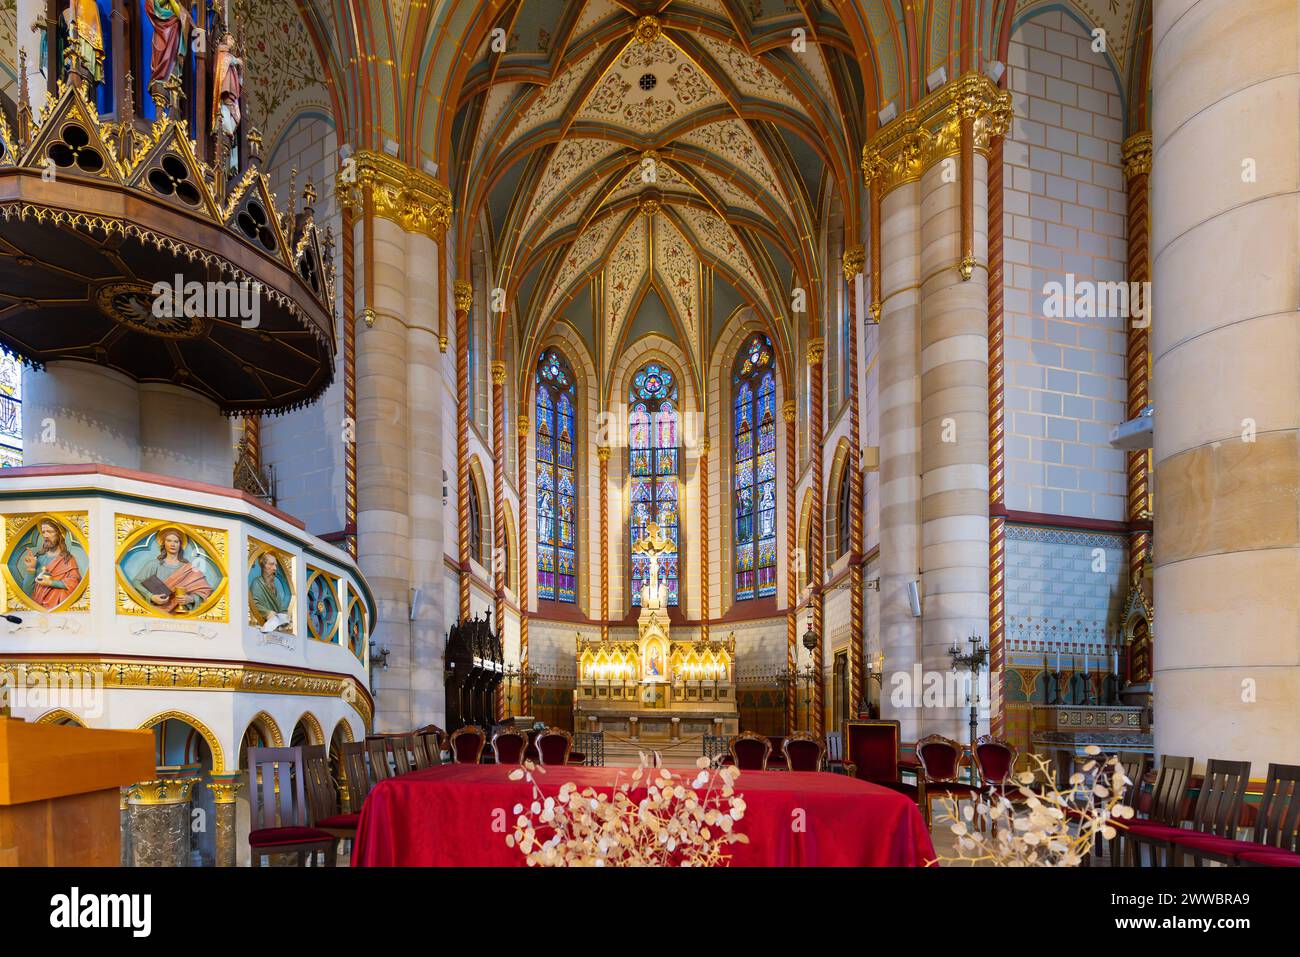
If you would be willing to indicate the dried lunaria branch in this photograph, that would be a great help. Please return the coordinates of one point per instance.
(655, 818)
(1042, 827)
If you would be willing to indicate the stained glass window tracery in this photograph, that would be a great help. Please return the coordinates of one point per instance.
(653, 460)
(557, 565)
(754, 469)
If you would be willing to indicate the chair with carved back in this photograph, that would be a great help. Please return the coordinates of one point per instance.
(467, 744)
(419, 754)
(803, 751)
(1166, 811)
(356, 776)
(834, 754)
(870, 753)
(554, 746)
(431, 740)
(940, 759)
(402, 746)
(280, 814)
(749, 751)
(1220, 801)
(509, 745)
(776, 758)
(381, 767)
(1277, 821)
(995, 761)
(323, 797)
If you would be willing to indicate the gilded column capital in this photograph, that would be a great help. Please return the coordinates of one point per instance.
(464, 293)
(788, 410)
(522, 425)
(224, 787)
(854, 258)
(498, 372)
(1137, 155)
(931, 131)
(816, 349)
(706, 445)
(602, 452)
(161, 791)
(409, 197)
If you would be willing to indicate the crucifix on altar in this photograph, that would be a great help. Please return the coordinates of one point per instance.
(654, 593)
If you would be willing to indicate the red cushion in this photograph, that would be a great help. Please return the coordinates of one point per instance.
(939, 760)
(1212, 843)
(1271, 857)
(994, 761)
(340, 820)
(1148, 828)
(873, 750)
(271, 836)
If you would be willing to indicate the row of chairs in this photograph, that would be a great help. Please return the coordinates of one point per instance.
(511, 745)
(1176, 828)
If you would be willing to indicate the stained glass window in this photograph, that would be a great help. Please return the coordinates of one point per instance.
(11, 411)
(754, 469)
(557, 564)
(652, 451)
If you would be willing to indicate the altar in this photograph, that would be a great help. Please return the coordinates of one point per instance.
(653, 688)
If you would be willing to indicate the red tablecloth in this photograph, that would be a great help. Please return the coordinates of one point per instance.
(443, 817)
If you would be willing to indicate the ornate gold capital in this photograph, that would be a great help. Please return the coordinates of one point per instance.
(1137, 155)
(411, 198)
(442, 343)
(650, 202)
(930, 132)
(966, 268)
(855, 257)
(224, 787)
(464, 293)
(874, 310)
(647, 29)
(788, 410)
(602, 452)
(816, 349)
(162, 791)
(523, 424)
(498, 372)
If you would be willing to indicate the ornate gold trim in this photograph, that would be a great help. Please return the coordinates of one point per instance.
(214, 744)
(129, 529)
(522, 425)
(900, 152)
(602, 452)
(1137, 155)
(498, 372)
(256, 549)
(408, 197)
(162, 791)
(463, 291)
(816, 349)
(225, 787)
(788, 408)
(16, 527)
(333, 581)
(854, 258)
(647, 29)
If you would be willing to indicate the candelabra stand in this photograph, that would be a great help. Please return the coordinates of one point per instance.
(510, 674)
(976, 659)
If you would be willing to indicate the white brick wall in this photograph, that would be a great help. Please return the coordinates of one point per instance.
(1064, 212)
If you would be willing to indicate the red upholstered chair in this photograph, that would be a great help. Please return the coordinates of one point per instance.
(1166, 811)
(940, 759)
(509, 745)
(467, 744)
(871, 754)
(995, 760)
(750, 751)
(1275, 837)
(554, 746)
(279, 811)
(803, 751)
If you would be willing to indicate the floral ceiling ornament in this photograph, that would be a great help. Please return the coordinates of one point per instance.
(657, 818)
(647, 29)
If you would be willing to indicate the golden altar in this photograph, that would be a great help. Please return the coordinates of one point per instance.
(653, 688)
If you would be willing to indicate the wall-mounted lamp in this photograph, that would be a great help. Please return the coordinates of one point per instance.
(379, 657)
(914, 597)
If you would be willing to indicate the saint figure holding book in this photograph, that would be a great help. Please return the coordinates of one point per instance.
(269, 592)
(171, 582)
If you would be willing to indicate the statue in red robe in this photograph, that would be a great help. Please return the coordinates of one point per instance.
(50, 574)
(171, 28)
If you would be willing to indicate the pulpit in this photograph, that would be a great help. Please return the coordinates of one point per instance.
(59, 792)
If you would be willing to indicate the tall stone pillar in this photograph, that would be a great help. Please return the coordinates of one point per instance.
(499, 508)
(816, 351)
(602, 453)
(1137, 172)
(930, 170)
(853, 261)
(525, 572)
(464, 303)
(788, 413)
(705, 446)
(1225, 219)
(399, 218)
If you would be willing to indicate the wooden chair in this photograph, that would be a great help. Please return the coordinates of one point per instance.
(749, 751)
(834, 754)
(323, 798)
(871, 754)
(1166, 810)
(554, 746)
(995, 761)
(431, 741)
(402, 745)
(509, 745)
(467, 744)
(279, 811)
(803, 751)
(1216, 816)
(1277, 823)
(940, 759)
(356, 776)
(380, 767)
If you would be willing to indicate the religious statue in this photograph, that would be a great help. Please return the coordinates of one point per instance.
(171, 28)
(172, 582)
(83, 42)
(50, 574)
(269, 592)
(227, 87)
(654, 593)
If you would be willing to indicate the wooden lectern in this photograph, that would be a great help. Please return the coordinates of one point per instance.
(59, 797)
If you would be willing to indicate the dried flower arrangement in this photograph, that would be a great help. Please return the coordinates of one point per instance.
(655, 818)
(1042, 827)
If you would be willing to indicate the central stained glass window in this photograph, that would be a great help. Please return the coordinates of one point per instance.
(652, 451)
(557, 560)
(754, 469)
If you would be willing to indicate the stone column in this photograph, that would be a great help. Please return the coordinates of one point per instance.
(816, 349)
(853, 260)
(1225, 216)
(76, 412)
(124, 823)
(160, 822)
(792, 568)
(525, 571)
(1137, 172)
(185, 435)
(705, 446)
(224, 788)
(602, 453)
(499, 508)
(464, 302)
